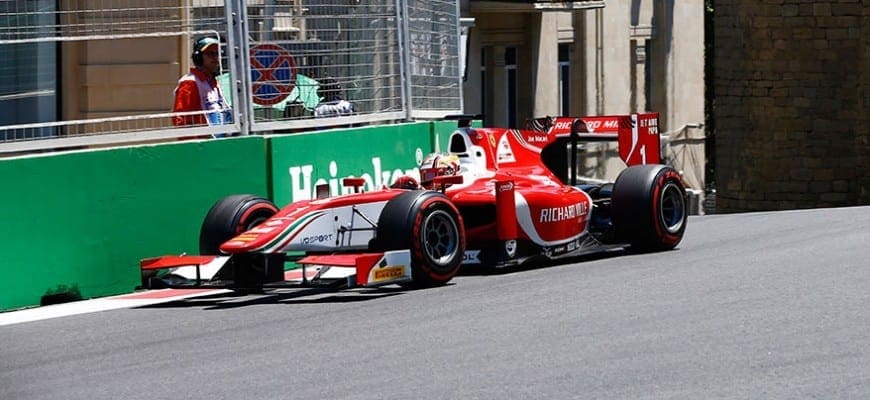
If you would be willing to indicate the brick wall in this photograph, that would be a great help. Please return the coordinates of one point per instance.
(862, 140)
(792, 96)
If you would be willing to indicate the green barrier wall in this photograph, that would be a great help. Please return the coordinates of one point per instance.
(380, 154)
(441, 131)
(75, 225)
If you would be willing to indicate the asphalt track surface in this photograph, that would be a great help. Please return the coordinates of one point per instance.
(750, 306)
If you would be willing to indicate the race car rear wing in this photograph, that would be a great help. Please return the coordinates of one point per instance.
(636, 134)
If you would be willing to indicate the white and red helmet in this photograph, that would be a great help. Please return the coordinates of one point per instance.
(437, 164)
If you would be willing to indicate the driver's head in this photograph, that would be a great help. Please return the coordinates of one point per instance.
(435, 165)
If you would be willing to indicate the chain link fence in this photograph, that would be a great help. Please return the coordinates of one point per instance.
(433, 27)
(80, 73)
(325, 59)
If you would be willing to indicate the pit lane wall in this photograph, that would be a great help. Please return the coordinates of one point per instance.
(75, 225)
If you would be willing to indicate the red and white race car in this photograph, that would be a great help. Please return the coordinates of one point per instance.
(492, 200)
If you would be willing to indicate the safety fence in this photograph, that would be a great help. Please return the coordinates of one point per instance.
(81, 73)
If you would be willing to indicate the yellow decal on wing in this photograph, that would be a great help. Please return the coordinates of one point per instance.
(388, 272)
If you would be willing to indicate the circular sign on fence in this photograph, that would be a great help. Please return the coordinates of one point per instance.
(273, 74)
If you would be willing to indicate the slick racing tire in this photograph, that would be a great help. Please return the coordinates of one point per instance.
(228, 218)
(649, 207)
(429, 225)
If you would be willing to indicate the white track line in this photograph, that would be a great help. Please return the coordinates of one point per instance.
(130, 300)
(102, 304)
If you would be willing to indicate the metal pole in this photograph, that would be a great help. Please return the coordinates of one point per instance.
(404, 33)
(242, 63)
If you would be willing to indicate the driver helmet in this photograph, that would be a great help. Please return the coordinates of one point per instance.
(435, 165)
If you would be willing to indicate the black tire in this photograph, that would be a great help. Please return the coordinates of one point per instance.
(228, 218)
(649, 207)
(430, 226)
(231, 216)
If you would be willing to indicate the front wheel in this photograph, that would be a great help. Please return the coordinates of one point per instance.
(430, 226)
(228, 218)
(649, 207)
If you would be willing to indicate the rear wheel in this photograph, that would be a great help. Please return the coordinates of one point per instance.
(228, 218)
(430, 226)
(649, 207)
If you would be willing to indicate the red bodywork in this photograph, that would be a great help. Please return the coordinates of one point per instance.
(506, 195)
(503, 168)
(505, 192)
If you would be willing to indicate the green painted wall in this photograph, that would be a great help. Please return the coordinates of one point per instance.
(441, 131)
(380, 154)
(76, 224)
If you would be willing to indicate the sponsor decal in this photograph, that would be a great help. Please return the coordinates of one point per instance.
(317, 238)
(302, 187)
(563, 213)
(562, 125)
(590, 124)
(471, 257)
(594, 124)
(245, 238)
(505, 153)
(651, 123)
(574, 245)
(537, 138)
(387, 273)
(506, 186)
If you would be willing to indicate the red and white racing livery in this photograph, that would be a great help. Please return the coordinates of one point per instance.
(493, 199)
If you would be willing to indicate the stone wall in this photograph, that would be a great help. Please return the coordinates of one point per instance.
(862, 140)
(791, 104)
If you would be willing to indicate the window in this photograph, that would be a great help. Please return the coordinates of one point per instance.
(28, 75)
(483, 86)
(510, 66)
(565, 78)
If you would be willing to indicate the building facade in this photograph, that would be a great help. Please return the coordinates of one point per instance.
(792, 108)
(531, 59)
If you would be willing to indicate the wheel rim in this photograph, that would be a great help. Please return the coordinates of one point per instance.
(672, 213)
(440, 237)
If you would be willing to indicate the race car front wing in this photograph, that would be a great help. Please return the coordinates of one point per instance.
(341, 270)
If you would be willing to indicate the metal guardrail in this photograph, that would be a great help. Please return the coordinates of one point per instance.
(101, 72)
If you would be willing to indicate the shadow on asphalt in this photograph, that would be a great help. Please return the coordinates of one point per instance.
(326, 295)
(538, 264)
(296, 295)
